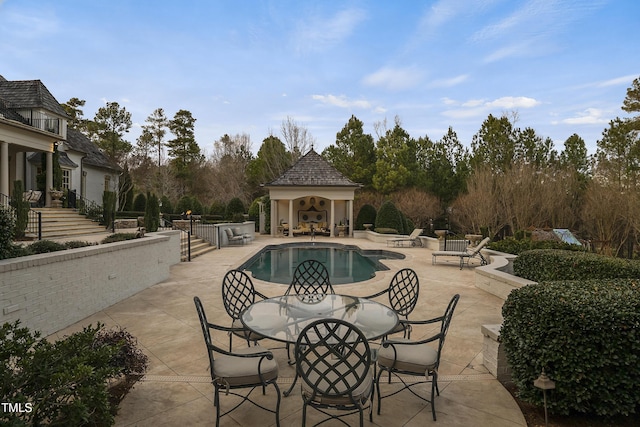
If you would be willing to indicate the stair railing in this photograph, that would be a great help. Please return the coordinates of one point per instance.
(202, 230)
(185, 237)
(34, 224)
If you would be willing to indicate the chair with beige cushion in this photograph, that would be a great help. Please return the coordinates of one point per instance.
(333, 359)
(249, 368)
(403, 357)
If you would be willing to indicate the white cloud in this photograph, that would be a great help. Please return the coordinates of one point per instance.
(342, 101)
(450, 82)
(317, 34)
(394, 78)
(512, 102)
(449, 101)
(624, 80)
(590, 116)
(472, 103)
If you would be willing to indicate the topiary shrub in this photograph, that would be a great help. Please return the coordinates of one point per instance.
(218, 208)
(551, 264)
(139, 203)
(366, 215)
(184, 205)
(235, 206)
(21, 207)
(73, 244)
(167, 207)
(152, 213)
(389, 217)
(584, 335)
(108, 207)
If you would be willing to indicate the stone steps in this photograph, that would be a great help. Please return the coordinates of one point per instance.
(59, 223)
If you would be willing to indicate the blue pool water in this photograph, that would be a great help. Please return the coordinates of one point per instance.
(345, 263)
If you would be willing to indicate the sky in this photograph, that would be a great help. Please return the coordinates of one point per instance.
(243, 67)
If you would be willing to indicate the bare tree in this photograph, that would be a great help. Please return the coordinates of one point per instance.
(296, 137)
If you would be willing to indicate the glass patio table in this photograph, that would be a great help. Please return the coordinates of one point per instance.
(283, 318)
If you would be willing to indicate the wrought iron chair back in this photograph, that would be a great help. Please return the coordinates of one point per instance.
(403, 292)
(238, 293)
(310, 277)
(333, 359)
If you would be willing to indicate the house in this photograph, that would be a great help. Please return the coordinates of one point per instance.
(33, 122)
(312, 194)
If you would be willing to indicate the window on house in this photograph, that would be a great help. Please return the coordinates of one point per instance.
(107, 183)
(66, 179)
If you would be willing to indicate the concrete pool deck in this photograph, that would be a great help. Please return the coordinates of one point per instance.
(177, 389)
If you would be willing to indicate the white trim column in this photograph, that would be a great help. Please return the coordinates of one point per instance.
(350, 216)
(290, 218)
(333, 218)
(4, 168)
(274, 218)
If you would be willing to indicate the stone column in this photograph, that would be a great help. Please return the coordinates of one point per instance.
(333, 223)
(290, 221)
(350, 216)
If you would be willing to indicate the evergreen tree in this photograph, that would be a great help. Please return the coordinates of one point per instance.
(183, 149)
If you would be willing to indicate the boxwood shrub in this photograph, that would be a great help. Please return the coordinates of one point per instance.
(549, 264)
(585, 336)
(511, 245)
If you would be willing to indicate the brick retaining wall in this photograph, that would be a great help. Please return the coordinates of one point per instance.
(48, 292)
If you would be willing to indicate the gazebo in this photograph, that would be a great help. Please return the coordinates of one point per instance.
(312, 194)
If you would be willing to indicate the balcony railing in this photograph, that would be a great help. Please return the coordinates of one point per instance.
(47, 125)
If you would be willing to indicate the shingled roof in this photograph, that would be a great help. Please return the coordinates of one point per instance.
(78, 141)
(311, 170)
(29, 94)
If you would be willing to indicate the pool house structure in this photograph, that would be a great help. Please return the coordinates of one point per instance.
(312, 196)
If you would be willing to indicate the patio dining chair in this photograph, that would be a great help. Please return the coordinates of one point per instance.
(249, 368)
(333, 360)
(403, 293)
(310, 277)
(238, 293)
(415, 358)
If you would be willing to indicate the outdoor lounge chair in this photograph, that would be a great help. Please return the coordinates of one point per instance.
(235, 238)
(466, 255)
(413, 238)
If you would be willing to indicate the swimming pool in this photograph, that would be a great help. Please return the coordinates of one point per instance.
(345, 263)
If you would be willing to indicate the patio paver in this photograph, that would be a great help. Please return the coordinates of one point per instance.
(176, 390)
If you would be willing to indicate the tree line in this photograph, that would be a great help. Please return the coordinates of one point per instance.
(506, 180)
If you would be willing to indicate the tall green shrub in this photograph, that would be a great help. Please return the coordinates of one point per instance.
(184, 204)
(366, 215)
(234, 207)
(7, 229)
(152, 213)
(389, 217)
(108, 207)
(218, 208)
(139, 203)
(21, 207)
(166, 207)
(585, 335)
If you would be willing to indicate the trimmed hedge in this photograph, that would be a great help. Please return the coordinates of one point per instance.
(514, 246)
(549, 264)
(584, 335)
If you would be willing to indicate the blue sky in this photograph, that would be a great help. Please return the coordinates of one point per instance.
(244, 66)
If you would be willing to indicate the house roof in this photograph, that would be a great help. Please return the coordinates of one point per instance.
(311, 170)
(21, 94)
(78, 141)
(64, 160)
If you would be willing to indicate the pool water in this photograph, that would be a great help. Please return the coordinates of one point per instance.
(345, 263)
